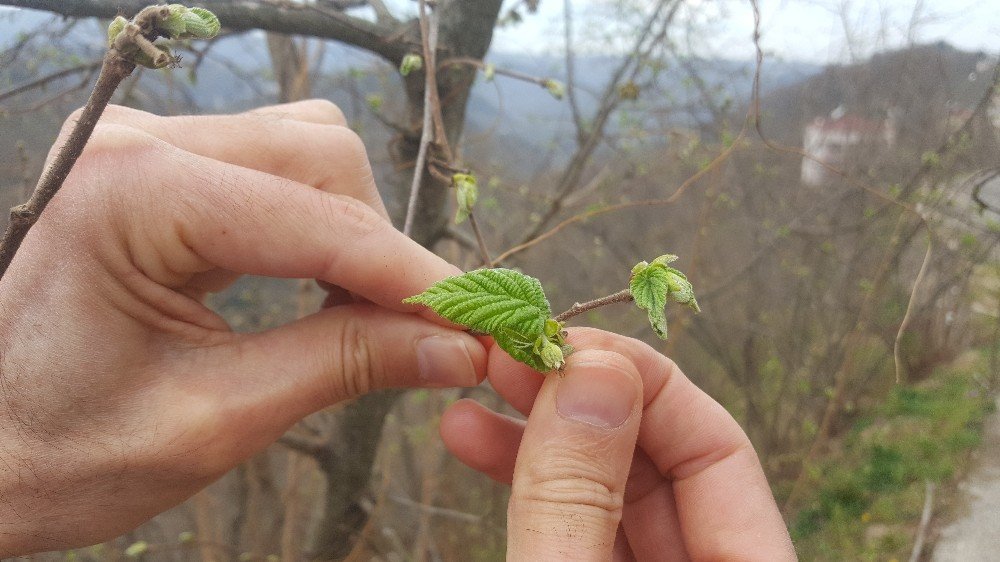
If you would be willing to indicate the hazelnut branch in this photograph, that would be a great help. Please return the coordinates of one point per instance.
(624, 295)
(129, 43)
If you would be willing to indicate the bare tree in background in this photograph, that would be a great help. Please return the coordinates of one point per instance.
(804, 288)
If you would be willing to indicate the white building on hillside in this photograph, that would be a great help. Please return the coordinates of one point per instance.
(833, 139)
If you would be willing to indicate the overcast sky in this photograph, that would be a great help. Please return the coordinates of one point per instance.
(795, 30)
(808, 30)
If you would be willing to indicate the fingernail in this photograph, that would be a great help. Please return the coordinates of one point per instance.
(597, 394)
(445, 361)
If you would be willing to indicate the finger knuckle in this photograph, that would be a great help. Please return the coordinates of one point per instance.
(321, 111)
(571, 479)
(351, 217)
(350, 146)
(100, 178)
(353, 360)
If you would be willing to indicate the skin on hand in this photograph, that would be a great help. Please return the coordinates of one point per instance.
(121, 394)
(623, 458)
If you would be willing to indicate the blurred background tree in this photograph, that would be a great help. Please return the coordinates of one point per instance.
(801, 196)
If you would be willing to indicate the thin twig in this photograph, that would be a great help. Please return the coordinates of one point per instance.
(581, 307)
(652, 35)
(484, 252)
(925, 520)
(23, 217)
(43, 81)
(429, 34)
(382, 13)
(476, 63)
(574, 105)
(309, 445)
(54, 98)
(438, 511)
(718, 160)
(461, 238)
(430, 26)
(908, 315)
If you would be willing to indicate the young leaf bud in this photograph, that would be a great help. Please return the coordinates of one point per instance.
(174, 25)
(552, 328)
(375, 101)
(665, 259)
(410, 63)
(116, 27)
(489, 71)
(552, 355)
(466, 192)
(629, 91)
(681, 290)
(137, 549)
(201, 23)
(556, 88)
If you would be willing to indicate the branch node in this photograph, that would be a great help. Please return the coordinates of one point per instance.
(21, 213)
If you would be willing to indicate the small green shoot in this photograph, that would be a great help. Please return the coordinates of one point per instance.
(652, 284)
(512, 307)
(466, 192)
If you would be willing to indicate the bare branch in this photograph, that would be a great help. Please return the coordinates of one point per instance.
(45, 80)
(650, 36)
(581, 135)
(925, 520)
(239, 15)
(484, 252)
(428, 32)
(308, 445)
(23, 217)
(439, 511)
(481, 65)
(463, 239)
(624, 295)
(382, 11)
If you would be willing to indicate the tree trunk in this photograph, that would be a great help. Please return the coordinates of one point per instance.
(290, 62)
(466, 30)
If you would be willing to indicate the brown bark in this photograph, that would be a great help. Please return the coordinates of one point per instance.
(290, 62)
(241, 15)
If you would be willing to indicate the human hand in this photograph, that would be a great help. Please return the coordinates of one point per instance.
(693, 488)
(122, 395)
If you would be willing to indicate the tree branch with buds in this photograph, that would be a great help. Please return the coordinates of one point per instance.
(130, 43)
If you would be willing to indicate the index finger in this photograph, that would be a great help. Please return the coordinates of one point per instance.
(210, 214)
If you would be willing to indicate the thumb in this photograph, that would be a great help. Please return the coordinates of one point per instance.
(277, 377)
(569, 478)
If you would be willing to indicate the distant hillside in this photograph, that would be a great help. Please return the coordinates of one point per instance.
(922, 83)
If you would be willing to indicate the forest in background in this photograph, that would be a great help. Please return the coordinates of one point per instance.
(804, 286)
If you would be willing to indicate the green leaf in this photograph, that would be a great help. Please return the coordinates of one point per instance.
(649, 286)
(489, 300)
(652, 284)
(506, 304)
